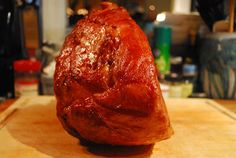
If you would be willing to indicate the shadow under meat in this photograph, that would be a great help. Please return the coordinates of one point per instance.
(143, 151)
(37, 127)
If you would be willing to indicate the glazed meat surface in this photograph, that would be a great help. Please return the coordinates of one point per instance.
(106, 82)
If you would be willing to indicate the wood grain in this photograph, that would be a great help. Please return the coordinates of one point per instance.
(202, 129)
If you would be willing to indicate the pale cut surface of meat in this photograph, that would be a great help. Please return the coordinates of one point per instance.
(106, 82)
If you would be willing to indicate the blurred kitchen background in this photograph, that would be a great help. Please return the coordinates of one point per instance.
(193, 43)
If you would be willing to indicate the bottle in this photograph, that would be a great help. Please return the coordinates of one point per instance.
(26, 74)
(161, 47)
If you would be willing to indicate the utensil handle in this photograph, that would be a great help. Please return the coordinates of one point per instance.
(231, 15)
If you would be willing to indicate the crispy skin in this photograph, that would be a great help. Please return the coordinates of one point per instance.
(106, 82)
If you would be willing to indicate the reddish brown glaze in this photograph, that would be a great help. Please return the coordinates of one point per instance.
(106, 82)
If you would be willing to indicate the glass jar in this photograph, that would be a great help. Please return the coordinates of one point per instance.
(187, 89)
(175, 89)
(190, 78)
(175, 85)
(26, 77)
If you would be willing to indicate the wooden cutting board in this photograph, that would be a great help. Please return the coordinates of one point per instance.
(203, 129)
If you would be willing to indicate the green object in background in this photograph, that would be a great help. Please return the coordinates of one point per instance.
(161, 47)
(162, 60)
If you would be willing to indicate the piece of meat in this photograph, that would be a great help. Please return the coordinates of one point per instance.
(106, 82)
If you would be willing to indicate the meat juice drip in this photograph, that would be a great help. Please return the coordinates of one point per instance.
(106, 82)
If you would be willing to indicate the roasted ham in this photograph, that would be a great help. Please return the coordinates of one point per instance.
(106, 82)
